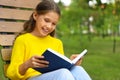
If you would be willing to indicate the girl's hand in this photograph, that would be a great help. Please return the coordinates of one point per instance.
(74, 56)
(37, 62)
(33, 62)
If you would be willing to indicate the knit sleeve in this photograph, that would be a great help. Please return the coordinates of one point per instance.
(17, 58)
(60, 47)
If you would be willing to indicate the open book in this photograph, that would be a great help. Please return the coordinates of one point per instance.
(57, 61)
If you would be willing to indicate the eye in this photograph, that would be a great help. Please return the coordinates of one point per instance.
(47, 20)
(54, 24)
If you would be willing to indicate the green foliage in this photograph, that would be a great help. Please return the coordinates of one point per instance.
(78, 12)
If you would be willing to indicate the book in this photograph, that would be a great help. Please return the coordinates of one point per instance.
(57, 61)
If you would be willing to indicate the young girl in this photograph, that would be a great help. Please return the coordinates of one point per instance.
(37, 36)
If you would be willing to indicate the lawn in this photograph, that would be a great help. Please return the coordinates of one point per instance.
(100, 62)
(1, 70)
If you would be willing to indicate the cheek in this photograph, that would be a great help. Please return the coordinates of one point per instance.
(53, 28)
(38, 26)
(39, 23)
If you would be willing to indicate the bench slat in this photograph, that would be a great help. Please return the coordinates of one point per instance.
(14, 14)
(7, 40)
(11, 26)
(11, 14)
(6, 53)
(20, 3)
(5, 68)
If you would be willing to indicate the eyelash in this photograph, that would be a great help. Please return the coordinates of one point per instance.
(46, 20)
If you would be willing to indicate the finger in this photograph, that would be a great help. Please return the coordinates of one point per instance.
(42, 65)
(73, 56)
(39, 57)
(39, 65)
(39, 60)
(43, 62)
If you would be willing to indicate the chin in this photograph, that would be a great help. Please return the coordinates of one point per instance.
(44, 35)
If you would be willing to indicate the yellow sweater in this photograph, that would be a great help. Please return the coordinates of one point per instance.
(27, 45)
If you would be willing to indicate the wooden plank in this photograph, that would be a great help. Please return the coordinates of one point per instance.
(7, 40)
(6, 54)
(15, 14)
(20, 3)
(11, 26)
(5, 68)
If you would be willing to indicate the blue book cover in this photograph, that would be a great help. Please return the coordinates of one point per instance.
(57, 61)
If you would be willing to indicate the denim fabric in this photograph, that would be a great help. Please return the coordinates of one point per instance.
(76, 73)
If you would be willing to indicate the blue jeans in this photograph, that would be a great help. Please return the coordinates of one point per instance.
(76, 73)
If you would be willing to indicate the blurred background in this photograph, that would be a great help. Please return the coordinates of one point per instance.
(94, 25)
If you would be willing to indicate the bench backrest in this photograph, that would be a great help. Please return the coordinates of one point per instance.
(13, 13)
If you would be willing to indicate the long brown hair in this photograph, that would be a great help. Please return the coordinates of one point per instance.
(42, 8)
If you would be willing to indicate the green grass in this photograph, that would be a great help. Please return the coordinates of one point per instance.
(103, 67)
(2, 77)
(101, 62)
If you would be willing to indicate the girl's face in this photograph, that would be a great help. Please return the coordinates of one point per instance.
(45, 23)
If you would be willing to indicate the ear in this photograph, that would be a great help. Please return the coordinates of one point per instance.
(35, 15)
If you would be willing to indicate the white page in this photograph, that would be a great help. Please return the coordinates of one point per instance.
(79, 56)
(67, 59)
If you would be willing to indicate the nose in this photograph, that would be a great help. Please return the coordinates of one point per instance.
(49, 25)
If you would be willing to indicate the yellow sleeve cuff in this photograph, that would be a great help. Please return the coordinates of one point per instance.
(18, 74)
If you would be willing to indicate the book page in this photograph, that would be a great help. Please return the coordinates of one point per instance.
(79, 56)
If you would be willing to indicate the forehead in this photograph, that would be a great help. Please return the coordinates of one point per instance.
(52, 15)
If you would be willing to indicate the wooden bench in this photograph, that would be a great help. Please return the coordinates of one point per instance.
(13, 13)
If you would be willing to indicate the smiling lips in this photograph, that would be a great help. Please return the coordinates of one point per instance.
(45, 30)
